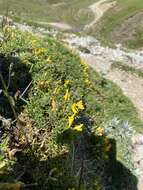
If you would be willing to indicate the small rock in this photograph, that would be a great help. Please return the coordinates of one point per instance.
(137, 139)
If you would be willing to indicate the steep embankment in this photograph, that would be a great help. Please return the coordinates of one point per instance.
(102, 58)
(67, 135)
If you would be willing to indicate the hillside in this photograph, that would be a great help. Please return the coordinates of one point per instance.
(122, 24)
(71, 104)
(68, 120)
(112, 22)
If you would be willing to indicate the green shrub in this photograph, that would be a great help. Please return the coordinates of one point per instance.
(68, 105)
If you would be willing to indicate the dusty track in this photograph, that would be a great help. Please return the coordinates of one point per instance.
(98, 9)
(62, 26)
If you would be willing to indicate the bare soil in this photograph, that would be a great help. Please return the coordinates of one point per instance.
(98, 9)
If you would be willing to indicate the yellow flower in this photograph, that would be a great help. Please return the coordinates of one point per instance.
(84, 64)
(53, 105)
(80, 105)
(74, 108)
(12, 34)
(49, 61)
(7, 29)
(67, 95)
(86, 74)
(78, 128)
(77, 106)
(100, 131)
(87, 81)
(56, 90)
(41, 84)
(66, 83)
(34, 42)
(39, 51)
(71, 120)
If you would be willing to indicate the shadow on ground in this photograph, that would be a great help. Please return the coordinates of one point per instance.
(87, 165)
(16, 76)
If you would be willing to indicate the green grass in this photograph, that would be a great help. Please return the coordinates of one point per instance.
(77, 14)
(74, 12)
(128, 69)
(113, 19)
(54, 153)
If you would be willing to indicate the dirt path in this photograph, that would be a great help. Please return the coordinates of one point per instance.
(131, 85)
(98, 9)
(60, 25)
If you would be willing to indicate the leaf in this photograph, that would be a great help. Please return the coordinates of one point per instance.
(53, 105)
(78, 128)
(2, 165)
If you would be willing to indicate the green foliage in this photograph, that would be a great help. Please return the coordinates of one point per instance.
(73, 12)
(114, 27)
(121, 132)
(5, 163)
(127, 68)
(108, 29)
(68, 105)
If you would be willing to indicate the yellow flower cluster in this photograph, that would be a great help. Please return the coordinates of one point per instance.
(41, 84)
(34, 42)
(78, 128)
(100, 131)
(49, 60)
(56, 90)
(54, 106)
(7, 29)
(39, 51)
(85, 70)
(67, 95)
(71, 120)
(76, 107)
(87, 81)
(84, 63)
(66, 82)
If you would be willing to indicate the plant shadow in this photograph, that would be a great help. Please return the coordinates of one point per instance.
(87, 165)
(113, 174)
(16, 76)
